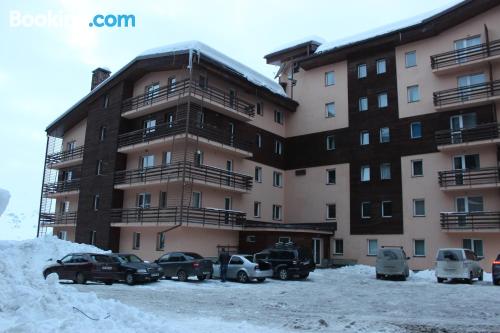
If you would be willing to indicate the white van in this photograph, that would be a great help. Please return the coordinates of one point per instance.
(457, 264)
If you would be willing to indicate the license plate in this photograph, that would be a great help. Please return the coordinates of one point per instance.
(107, 268)
(155, 274)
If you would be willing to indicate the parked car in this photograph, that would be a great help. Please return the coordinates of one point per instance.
(288, 261)
(133, 269)
(243, 268)
(495, 271)
(83, 267)
(392, 262)
(185, 264)
(457, 264)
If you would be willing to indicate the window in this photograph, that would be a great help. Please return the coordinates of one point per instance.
(330, 142)
(331, 176)
(259, 108)
(278, 117)
(167, 157)
(418, 207)
(98, 168)
(162, 200)
(200, 119)
(381, 66)
(151, 92)
(416, 130)
(413, 94)
(147, 161)
(330, 110)
(419, 248)
(149, 126)
(198, 158)
(362, 71)
(70, 146)
(256, 209)
(92, 237)
(364, 138)
(372, 247)
(329, 78)
(160, 241)
(411, 59)
(250, 239)
(468, 44)
(196, 200)
(258, 174)
(284, 240)
(278, 147)
(366, 208)
(365, 173)
(136, 241)
(385, 135)
(338, 246)
(64, 207)
(106, 102)
(277, 179)
(475, 245)
(468, 205)
(171, 83)
(417, 168)
(276, 212)
(385, 171)
(363, 104)
(63, 235)
(232, 97)
(331, 211)
(382, 100)
(102, 133)
(143, 200)
(202, 81)
(95, 201)
(386, 208)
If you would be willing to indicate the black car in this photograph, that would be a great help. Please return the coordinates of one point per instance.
(288, 261)
(133, 269)
(185, 264)
(495, 271)
(83, 267)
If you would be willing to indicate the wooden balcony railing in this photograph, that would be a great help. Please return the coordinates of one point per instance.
(64, 156)
(470, 221)
(480, 132)
(49, 219)
(465, 55)
(209, 93)
(203, 173)
(62, 186)
(468, 93)
(190, 215)
(482, 176)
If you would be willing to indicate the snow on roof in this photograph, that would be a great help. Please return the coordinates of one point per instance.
(204, 50)
(304, 40)
(407, 23)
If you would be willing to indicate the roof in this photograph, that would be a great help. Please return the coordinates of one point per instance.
(315, 40)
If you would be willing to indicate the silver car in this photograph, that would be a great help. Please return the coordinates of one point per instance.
(457, 263)
(392, 262)
(242, 268)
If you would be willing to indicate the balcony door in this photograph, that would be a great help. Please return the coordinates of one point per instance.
(461, 46)
(146, 162)
(463, 163)
(466, 82)
(149, 126)
(228, 205)
(465, 205)
(459, 123)
(151, 93)
(229, 168)
(143, 201)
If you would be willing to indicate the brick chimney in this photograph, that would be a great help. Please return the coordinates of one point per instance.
(98, 75)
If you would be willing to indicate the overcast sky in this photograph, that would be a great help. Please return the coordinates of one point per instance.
(44, 70)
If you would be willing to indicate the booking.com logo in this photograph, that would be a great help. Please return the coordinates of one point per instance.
(111, 21)
(59, 19)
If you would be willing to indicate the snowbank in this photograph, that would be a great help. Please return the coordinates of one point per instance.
(4, 200)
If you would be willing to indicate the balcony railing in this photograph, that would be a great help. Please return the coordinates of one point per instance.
(482, 176)
(480, 132)
(190, 215)
(49, 219)
(466, 94)
(207, 131)
(62, 186)
(465, 55)
(470, 221)
(203, 173)
(64, 156)
(181, 88)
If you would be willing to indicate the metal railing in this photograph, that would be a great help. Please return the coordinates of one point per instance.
(465, 55)
(181, 88)
(467, 93)
(479, 132)
(204, 173)
(64, 156)
(49, 219)
(470, 221)
(469, 177)
(62, 186)
(190, 215)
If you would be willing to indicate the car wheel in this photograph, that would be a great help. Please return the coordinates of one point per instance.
(182, 276)
(80, 278)
(440, 280)
(108, 283)
(480, 278)
(201, 277)
(154, 280)
(242, 277)
(283, 274)
(129, 279)
(261, 279)
(402, 277)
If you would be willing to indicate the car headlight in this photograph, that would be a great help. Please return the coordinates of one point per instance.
(141, 271)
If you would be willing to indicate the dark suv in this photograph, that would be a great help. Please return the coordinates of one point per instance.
(288, 261)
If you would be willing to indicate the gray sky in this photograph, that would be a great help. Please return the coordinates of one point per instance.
(44, 70)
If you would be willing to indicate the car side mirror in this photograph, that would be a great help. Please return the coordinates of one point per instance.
(59, 262)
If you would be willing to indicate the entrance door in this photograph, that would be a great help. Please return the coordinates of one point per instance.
(317, 250)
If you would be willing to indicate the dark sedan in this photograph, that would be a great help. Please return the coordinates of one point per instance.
(83, 267)
(133, 269)
(495, 271)
(185, 264)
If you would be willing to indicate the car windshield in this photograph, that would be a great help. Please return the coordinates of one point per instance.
(130, 258)
(100, 258)
(192, 255)
(249, 258)
(390, 255)
(451, 255)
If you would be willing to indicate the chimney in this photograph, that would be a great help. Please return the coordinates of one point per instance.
(98, 75)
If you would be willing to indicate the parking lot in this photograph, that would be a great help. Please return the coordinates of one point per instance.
(341, 300)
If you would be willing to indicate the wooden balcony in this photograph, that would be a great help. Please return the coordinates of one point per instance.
(480, 135)
(64, 159)
(61, 188)
(473, 95)
(467, 222)
(469, 179)
(58, 219)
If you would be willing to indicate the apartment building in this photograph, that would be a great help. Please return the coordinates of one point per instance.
(390, 139)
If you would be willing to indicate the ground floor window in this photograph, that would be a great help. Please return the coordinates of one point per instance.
(160, 241)
(372, 247)
(63, 234)
(284, 240)
(419, 248)
(338, 246)
(92, 237)
(250, 239)
(276, 212)
(136, 241)
(475, 245)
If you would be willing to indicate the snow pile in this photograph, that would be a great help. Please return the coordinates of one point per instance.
(28, 303)
(4, 200)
